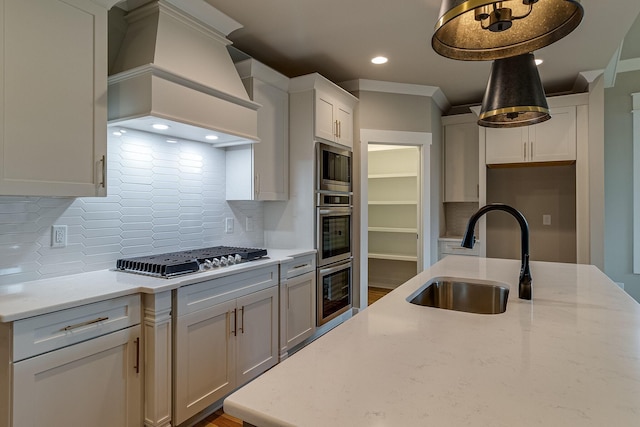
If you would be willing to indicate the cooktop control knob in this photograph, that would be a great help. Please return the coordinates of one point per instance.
(223, 261)
(215, 262)
(231, 259)
(207, 264)
(238, 258)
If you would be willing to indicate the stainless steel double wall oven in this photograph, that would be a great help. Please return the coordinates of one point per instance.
(333, 231)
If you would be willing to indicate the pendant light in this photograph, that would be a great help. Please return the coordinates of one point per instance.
(514, 95)
(479, 30)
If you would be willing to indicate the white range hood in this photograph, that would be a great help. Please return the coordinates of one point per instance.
(174, 69)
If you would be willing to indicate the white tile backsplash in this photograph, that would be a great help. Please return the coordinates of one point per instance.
(162, 197)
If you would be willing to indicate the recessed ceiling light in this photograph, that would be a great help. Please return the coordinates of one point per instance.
(160, 126)
(379, 60)
(539, 61)
(172, 141)
(211, 137)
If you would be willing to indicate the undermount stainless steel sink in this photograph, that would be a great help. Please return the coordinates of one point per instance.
(471, 296)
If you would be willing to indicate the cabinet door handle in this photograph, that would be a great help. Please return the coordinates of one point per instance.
(339, 129)
(531, 150)
(88, 322)
(103, 162)
(524, 152)
(242, 319)
(235, 321)
(335, 133)
(137, 365)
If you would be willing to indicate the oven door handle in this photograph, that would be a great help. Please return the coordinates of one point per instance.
(344, 211)
(333, 269)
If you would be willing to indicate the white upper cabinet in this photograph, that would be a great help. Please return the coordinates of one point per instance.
(332, 108)
(550, 141)
(333, 120)
(261, 171)
(53, 55)
(461, 157)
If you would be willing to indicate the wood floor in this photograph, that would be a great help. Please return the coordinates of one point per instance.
(376, 293)
(220, 419)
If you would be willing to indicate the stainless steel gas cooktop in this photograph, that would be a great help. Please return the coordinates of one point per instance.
(191, 261)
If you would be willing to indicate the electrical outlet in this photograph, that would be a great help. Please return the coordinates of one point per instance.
(249, 224)
(58, 236)
(228, 225)
(546, 219)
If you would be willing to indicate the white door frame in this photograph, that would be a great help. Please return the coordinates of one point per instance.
(392, 137)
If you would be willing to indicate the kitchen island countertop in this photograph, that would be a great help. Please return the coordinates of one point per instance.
(569, 357)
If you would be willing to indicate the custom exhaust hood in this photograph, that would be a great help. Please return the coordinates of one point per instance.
(173, 71)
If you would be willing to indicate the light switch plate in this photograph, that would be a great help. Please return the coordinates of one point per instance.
(546, 219)
(228, 225)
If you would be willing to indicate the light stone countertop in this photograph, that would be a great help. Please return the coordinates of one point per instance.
(22, 300)
(569, 357)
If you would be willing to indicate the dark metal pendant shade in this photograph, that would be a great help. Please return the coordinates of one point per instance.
(514, 95)
(479, 30)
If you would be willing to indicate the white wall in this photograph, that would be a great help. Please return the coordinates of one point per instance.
(618, 168)
(162, 197)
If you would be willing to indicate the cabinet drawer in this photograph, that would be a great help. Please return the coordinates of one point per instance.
(453, 248)
(297, 266)
(41, 334)
(211, 292)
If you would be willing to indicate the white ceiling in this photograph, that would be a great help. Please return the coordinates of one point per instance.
(337, 38)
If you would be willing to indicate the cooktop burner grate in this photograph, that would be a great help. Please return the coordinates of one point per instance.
(190, 261)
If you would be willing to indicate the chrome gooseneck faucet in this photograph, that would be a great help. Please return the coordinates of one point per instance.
(524, 283)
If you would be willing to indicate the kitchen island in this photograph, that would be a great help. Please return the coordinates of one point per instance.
(568, 357)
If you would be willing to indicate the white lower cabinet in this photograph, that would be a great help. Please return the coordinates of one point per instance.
(70, 368)
(95, 383)
(226, 333)
(297, 302)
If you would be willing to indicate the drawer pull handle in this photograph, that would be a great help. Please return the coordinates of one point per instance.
(242, 320)
(88, 322)
(300, 266)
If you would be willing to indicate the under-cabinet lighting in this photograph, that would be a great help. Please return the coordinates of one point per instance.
(211, 137)
(539, 61)
(172, 141)
(160, 126)
(379, 60)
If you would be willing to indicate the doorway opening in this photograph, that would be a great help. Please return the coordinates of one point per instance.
(395, 209)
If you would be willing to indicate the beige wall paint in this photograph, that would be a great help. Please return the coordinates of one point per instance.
(392, 111)
(534, 191)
